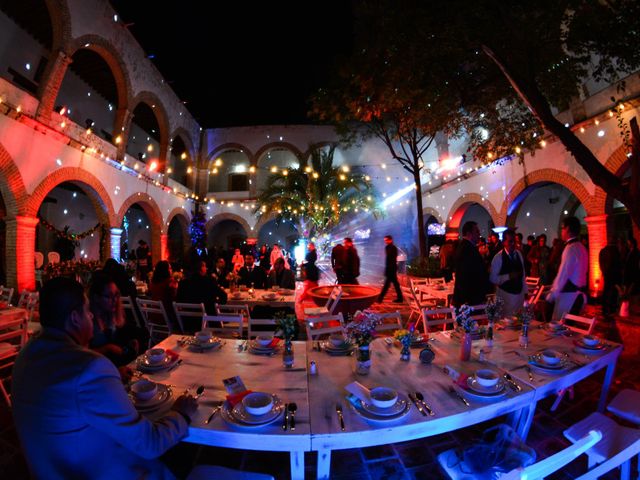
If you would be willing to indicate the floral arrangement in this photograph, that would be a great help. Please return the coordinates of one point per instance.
(361, 330)
(287, 325)
(494, 309)
(526, 314)
(405, 337)
(464, 320)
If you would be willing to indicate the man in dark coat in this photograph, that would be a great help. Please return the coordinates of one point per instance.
(391, 270)
(337, 262)
(252, 275)
(220, 273)
(351, 270)
(201, 288)
(281, 277)
(472, 278)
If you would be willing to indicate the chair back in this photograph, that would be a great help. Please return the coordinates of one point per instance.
(6, 294)
(228, 326)
(565, 304)
(578, 324)
(188, 311)
(130, 309)
(320, 327)
(13, 336)
(334, 298)
(437, 281)
(390, 322)
(541, 293)
(233, 310)
(29, 301)
(266, 327)
(38, 258)
(532, 283)
(155, 319)
(417, 282)
(479, 313)
(439, 316)
(53, 257)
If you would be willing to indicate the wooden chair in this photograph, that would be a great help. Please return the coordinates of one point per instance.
(188, 311)
(268, 327)
(439, 316)
(53, 257)
(130, 309)
(155, 319)
(228, 326)
(6, 294)
(390, 322)
(13, 336)
(320, 327)
(578, 324)
(455, 467)
(330, 306)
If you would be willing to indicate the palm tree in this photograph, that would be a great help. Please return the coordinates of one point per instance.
(317, 196)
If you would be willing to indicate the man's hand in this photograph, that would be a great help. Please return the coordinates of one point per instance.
(185, 404)
(125, 374)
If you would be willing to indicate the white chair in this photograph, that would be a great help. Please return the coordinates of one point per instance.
(416, 306)
(228, 326)
(626, 405)
(6, 294)
(330, 306)
(479, 313)
(564, 304)
(617, 447)
(13, 336)
(416, 283)
(29, 301)
(439, 316)
(211, 472)
(455, 467)
(269, 331)
(390, 322)
(578, 324)
(155, 319)
(532, 283)
(187, 311)
(233, 310)
(53, 257)
(319, 327)
(437, 281)
(128, 306)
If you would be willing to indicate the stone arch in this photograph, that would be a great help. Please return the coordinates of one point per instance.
(514, 198)
(228, 216)
(178, 211)
(111, 55)
(89, 184)
(154, 102)
(428, 211)
(12, 186)
(229, 146)
(154, 214)
(288, 146)
(618, 164)
(188, 141)
(457, 211)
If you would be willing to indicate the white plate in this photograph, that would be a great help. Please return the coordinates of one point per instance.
(475, 387)
(163, 395)
(556, 331)
(599, 346)
(237, 415)
(537, 361)
(468, 392)
(360, 410)
(333, 350)
(396, 409)
(144, 365)
(195, 344)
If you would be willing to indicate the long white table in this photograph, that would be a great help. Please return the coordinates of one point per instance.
(245, 298)
(318, 427)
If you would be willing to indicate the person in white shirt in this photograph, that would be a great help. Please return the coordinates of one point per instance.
(507, 273)
(572, 274)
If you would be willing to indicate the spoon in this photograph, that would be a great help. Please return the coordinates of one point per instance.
(420, 397)
(292, 410)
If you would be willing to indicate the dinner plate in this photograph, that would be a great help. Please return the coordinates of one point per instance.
(194, 344)
(366, 414)
(599, 346)
(396, 409)
(237, 415)
(536, 363)
(163, 395)
(285, 292)
(143, 363)
(269, 298)
(475, 387)
(466, 391)
(333, 350)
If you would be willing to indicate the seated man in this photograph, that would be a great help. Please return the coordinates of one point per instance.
(72, 414)
(281, 277)
(251, 274)
(220, 273)
(201, 288)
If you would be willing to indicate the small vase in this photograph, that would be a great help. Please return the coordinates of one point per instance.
(524, 336)
(287, 354)
(465, 347)
(363, 360)
(489, 337)
(405, 353)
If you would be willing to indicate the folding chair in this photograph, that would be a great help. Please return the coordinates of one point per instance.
(320, 327)
(269, 331)
(437, 281)
(186, 311)
(129, 308)
(330, 306)
(13, 336)
(227, 326)
(479, 313)
(233, 310)
(578, 324)
(156, 320)
(417, 305)
(541, 294)
(29, 301)
(437, 317)
(565, 304)
(532, 283)
(390, 322)
(6, 294)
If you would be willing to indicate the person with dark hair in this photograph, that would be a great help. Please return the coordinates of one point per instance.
(118, 274)
(252, 275)
(200, 288)
(71, 411)
(143, 257)
(526, 249)
(610, 260)
(164, 288)
(351, 266)
(281, 277)
(507, 274)
(472, 278)
(390, 270)
(572, 274)
(264, 259)
(337, 262)
(310, 271)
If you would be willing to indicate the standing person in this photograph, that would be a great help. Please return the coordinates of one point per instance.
(143, 256)
(507, 273)
(276, 253)
(391, 270)
(472, 278)
(71, 411)
(311, 273)
(572, 274)
(264, 259)
(494, 245)
(447, 252)
(351, 263)
(526, 249)
(631, 271)
(557, 246)
(610, 261)
(337, 262)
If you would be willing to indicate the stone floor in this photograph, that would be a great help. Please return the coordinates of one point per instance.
(408, 460)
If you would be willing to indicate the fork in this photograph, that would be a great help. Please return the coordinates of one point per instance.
(215, 410)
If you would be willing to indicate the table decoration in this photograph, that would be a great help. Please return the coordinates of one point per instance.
(525, 316)
(494, 312)
(468, 325)
(361, 331)
(405, 337)
(288, 328)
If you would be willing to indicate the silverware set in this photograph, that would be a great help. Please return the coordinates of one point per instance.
(455, 393)
(512, 383)
(215, 410)
(289, 420)
(421, 405)
(340, 416)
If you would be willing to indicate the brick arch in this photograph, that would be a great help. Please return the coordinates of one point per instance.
(226, 147)
(111, 55)
(60, 23)
(176, 212)
(188, 141)
(154, 214)
(265, 148)
(428, 211)
(228, 216)
(462, 204)
(89, 184)
(156, 105)
(618, 164)
(515, 196)
(12, 189)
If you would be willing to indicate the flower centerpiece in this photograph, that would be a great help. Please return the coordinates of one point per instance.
(287, 325)
(494, 312)
(525, 316)
(468, 325)
(405, 337)
(361, 331)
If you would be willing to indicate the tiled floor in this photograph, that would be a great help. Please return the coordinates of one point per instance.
(415, 459)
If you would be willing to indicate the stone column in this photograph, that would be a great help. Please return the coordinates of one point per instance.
(21, 243)
(116, 238)
(597, 230)
(50, 84)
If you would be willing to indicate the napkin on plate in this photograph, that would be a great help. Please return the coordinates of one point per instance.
(359, 391)
(274, 342)
(236, 398)
(458, 377)
(172, 354)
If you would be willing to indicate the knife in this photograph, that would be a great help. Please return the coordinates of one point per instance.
(514, 386)
(175, 365)
(285, 422)
(339, 412)
(528, 369)
(455, 392)
(417, 404)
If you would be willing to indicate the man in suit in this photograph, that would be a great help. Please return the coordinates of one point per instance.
(351, 267)
(472, 278)
(337, 262)
(390, 270)
(220, 273)
(252, 274)
(72, 413)
(201, 288)
(281, 277)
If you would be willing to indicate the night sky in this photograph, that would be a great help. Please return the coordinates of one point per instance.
(242, 63)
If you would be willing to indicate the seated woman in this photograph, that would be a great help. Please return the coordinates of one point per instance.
(111, 336)
(164, 288)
